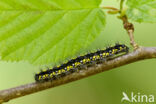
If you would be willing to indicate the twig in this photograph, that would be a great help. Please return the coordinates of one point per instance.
(139, 54)
(129, 27)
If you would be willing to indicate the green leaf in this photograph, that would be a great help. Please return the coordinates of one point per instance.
(142, 10)
(48, 31)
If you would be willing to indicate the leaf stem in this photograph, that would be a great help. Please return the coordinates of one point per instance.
(121, 5)
(112, 10)
(108, 7)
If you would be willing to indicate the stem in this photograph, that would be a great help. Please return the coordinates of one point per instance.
(129, 27)
(112, 10)
(121, 5)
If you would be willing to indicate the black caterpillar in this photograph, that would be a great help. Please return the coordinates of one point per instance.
(79, 62)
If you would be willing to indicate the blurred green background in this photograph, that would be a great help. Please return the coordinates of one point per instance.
(103, 88)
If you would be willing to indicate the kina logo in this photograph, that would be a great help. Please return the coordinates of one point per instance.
(137, 97)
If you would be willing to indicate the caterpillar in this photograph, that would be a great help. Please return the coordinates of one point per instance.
(76, 64)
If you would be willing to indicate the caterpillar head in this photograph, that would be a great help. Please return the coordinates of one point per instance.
(121, 48)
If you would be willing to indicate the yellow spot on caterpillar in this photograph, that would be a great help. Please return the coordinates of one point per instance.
(46, 75)
(77, 63)
(40, 77)
(54, 73)
(104, 54)
(107, 54)
(43, 76)
(63, 70)
(120, 48)
(51, 75)
(116, 50)
(94, 57)
(59, 72)
(84, 60)
(97, 57)
(88, 60)
(69, 67)
(113, 51)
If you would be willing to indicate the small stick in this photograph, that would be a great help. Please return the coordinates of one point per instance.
(129, 27)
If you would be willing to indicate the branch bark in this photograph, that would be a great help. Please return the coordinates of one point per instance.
(139, 54)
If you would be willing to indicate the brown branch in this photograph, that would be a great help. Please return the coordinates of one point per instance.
(139, 54)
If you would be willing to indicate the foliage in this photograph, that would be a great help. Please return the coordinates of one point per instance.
(48, 31)
(142, 10)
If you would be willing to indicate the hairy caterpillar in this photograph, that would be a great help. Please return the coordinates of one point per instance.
(78, 63)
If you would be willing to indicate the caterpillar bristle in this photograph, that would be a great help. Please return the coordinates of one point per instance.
(81, 62)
